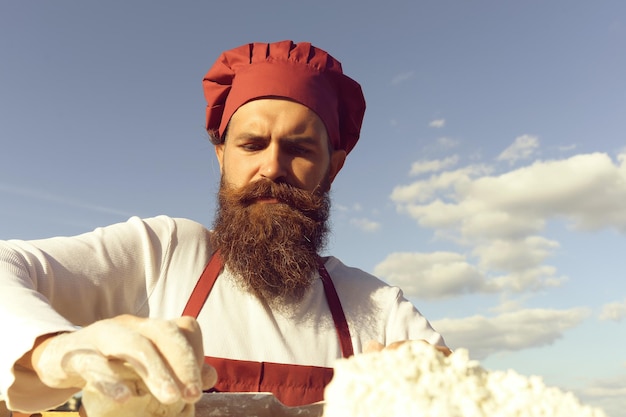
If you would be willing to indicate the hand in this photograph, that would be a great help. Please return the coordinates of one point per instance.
(375, 346)
(166, 354)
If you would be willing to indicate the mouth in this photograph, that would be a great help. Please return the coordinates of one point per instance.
(266, 200)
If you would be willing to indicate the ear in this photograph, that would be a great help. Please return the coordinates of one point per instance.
(219, 153)
(337, 158)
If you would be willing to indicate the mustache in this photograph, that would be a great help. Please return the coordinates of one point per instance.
(302, 200)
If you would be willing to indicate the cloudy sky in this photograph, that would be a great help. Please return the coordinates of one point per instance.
(489, 182)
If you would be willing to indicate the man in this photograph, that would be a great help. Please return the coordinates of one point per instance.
(267, 313)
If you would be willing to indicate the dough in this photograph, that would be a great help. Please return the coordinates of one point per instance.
(141, 404)
(416, 380)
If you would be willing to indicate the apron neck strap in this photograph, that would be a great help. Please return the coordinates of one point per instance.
(212, 270)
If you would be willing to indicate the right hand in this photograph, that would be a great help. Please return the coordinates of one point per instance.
(166, 354)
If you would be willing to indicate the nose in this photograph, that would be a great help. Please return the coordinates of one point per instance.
(274, 164)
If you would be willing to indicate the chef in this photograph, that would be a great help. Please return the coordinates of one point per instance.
(249, 305)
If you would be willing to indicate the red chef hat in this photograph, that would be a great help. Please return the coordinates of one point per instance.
(299, 72)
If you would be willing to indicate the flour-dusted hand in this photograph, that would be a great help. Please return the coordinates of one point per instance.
(141, 404)
(166, 354)
(375, 346)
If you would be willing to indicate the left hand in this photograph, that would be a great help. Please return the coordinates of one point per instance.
(375, 346)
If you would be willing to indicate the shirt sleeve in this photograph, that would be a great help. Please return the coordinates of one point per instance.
(405, 322)
(376, 310)
(62, 283)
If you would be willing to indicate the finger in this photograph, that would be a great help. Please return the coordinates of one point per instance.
(395, 345)
(443, 349)
(191, 330)
(141, 354)
(373, 346)
(180, 344)
(209, 376)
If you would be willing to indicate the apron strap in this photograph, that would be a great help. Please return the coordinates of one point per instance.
(204, 286)
(207, 280)
(341, 324)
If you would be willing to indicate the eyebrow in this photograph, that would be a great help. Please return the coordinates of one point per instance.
(302, 139)
(291, 139)
(246, 136)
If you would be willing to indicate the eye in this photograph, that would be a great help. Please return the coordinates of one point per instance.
(252, 145)
(300, 149)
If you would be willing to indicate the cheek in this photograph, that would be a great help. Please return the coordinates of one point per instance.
(233, 173)
(312, 175)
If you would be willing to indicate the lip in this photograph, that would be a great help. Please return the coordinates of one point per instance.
(267, 200)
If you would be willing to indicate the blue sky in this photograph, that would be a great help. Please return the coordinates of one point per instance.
(489, 181)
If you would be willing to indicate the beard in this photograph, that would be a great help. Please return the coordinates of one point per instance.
(272, 248)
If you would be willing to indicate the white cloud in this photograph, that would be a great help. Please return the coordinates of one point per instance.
(608, 394)
(424, 190)
(608, 388)
(366, 225)
(522, 148)
(529, 278)
(614, 311)
(346, 209)
(588, 190)
(435, 165)
(514, 254)
(439, 275)
(438, 123)
(430, 275)
(485, 223)
(502, 216)
(512, 331)
(447, 143)
(402, 77)
(500, 219)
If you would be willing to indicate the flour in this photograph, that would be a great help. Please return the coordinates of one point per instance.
(415, 380)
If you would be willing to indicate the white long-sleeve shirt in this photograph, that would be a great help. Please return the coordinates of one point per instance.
(148, 268)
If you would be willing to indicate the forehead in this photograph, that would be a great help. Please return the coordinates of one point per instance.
(277, 118)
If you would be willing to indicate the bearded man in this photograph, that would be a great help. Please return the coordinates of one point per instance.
(267, 312)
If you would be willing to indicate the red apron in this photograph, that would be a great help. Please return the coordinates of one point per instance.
(292, 384)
